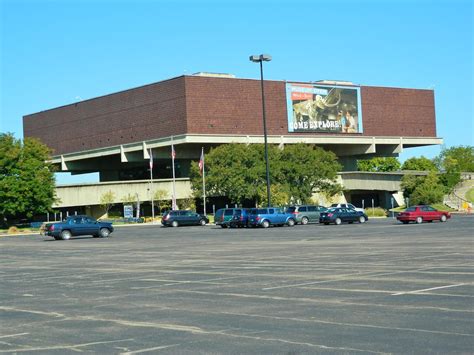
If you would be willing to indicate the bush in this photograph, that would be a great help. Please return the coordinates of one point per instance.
(375, 212)
(13, 230)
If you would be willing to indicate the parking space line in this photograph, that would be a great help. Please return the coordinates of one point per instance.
(426, 289)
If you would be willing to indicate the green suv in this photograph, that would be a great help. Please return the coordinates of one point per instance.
(306, 213)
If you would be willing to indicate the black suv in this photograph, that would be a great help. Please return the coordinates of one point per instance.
(183, 218)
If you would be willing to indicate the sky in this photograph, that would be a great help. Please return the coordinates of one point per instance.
(56, 52)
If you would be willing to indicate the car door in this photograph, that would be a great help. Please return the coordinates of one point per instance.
(313, 214)
(428, 213)
(90, 226)
(78, 226)
(187, 217)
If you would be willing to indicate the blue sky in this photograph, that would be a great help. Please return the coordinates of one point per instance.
(58, 52)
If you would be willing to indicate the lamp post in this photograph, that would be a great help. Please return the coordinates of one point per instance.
(260, 59)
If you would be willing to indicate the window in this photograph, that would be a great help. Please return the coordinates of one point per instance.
(312, 208)
(228, 212)
(302, 209)
(271, 211)
(291, 209)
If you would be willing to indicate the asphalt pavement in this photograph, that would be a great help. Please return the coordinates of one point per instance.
(379, 287)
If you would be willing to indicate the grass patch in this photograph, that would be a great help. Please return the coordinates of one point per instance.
(470, 194)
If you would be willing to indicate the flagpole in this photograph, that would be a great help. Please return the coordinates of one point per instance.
(173, 202)
(203, 181)
(151, 188)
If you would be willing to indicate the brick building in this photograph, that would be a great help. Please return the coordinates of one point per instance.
(113, 134)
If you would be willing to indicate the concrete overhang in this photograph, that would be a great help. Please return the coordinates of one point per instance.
(342, 146)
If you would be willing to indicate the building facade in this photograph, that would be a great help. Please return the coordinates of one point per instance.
(114, 134)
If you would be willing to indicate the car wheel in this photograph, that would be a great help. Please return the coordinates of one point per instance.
(66, 235)
(202, 222)
(419, 220)
(361, 219)
(174, 224)
(326, 223)
(104, 233)
(338, 221)
(57, 238)
(443, 218)
(265, 224)
(223, 225)
(291, 222)
(405, 222)
(304, 220)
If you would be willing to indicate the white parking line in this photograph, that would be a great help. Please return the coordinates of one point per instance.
(426, 289)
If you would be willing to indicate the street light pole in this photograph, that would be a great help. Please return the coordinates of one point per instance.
(260, 59)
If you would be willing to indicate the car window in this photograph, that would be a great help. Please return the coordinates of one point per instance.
(77, 220)
(291, 209)
(350, 205)
(302, 209)
(431, 209)
(411, 209)
(89, 220)
(228, 212)
(262, 211)
(334, 205)
(271, 211)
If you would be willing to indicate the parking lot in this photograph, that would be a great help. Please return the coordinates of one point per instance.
(378, 287)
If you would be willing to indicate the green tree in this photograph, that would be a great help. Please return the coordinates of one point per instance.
(107, 201)
(429, 191)
(379, 164)
(238, 171)
(27, 184)
(128, 199)
(278, 195)
(460, 159)
(419, 164)
(304, 169)
(162, 201)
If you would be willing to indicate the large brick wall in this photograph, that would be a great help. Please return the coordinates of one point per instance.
(151, 111)
(234, 106)
(398, 112)
(209, 105)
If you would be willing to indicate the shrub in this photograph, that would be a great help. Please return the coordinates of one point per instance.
(375, 212)
(13, 230)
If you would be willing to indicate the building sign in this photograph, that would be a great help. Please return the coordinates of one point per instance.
(127, 211)
(323, 108)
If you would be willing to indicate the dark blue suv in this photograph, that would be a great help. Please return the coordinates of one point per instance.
(265, 217)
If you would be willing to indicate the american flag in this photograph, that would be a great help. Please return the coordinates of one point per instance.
(201, 162)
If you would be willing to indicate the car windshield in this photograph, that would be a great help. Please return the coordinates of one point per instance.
(334, 205)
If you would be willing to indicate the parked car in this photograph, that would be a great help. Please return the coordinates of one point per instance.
(306, 213)
(265, 217)
(183, 218)
(78, 225)
(422, 213)
(224, 216)
(240, 218)
(338, 215)
(347, 205)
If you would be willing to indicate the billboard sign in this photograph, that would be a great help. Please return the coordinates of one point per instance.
(323, 108)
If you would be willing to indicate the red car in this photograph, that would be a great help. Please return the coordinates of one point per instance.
(422, 213)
